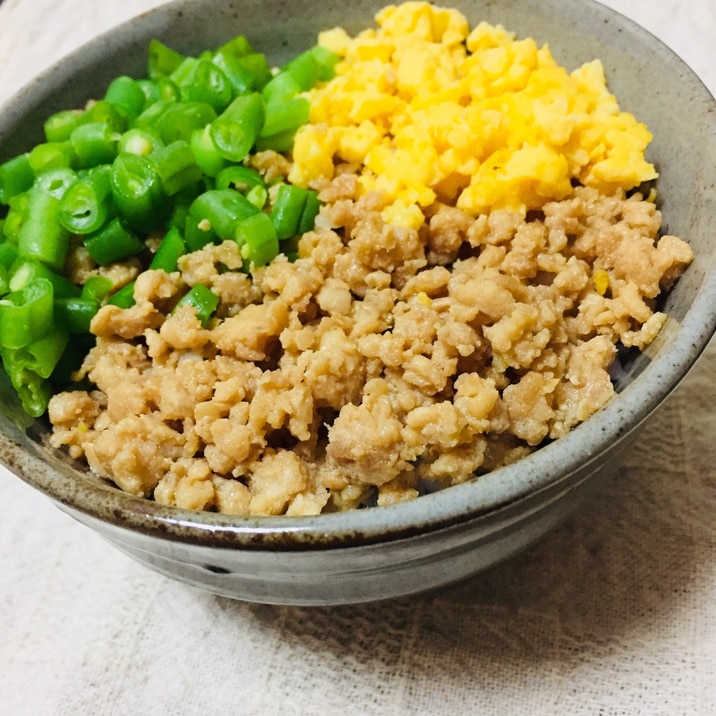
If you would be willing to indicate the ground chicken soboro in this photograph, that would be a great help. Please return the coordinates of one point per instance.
(393, 356)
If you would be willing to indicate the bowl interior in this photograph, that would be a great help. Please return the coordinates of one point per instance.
(648, 80)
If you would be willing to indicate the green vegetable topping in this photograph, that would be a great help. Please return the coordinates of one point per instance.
(151, 170)
(202, 300)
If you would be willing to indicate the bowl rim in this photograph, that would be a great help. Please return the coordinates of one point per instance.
(459, 504)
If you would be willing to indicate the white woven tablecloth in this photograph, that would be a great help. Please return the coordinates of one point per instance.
(613, 613)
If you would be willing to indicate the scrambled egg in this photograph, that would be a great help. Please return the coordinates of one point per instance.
(428, 110)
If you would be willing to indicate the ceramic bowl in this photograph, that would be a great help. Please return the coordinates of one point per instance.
(436, 539)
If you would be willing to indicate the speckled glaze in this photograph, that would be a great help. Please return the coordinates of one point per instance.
(384, 552)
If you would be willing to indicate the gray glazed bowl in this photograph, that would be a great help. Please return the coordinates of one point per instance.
(437, 539)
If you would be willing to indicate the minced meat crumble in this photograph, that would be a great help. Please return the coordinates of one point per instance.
(384, 361)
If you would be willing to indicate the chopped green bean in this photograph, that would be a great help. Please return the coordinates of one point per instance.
(180, 119)
(282, 87)
(59, 126)
(16, 217)
(287, 209)
(178, 217)
(151, 115)
(327, 62)
(139, 141)
(205, 152)
(102, 112)
(207, 83)
(125, 92)
(75, 314)
(284, 116)
(281, 142)
(305, 69)
(238, 46)
(167, 89)
(150, 90)
(137, 191)
(246, 73)
(240, 178)
(183, 72)
(258, 196)
(257, 65)
(309, 213)
(124, 298)
(96, 288)
(258, 239)
(42, 236)
(202, 300)
(88, 203)
(70, 361)
(115, 241)
(176, 166)
(94, 143)
(41, 356)
(169, 251)
(26, 315)
(236, 129)
(24, 271)
(241, 78)
(4, 281)
(52, 155)
(198, 232)
(222, 209)
(8, 255)
(16, 177)
(56, 181)
(33, 390)
(163, 60)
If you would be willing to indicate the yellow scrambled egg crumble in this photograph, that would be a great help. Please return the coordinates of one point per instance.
(427, 109)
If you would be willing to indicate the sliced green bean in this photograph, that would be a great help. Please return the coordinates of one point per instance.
(176, 166)
(207, 83)
(139, 141)
(202, 300)
(59, 126)
(115, 241)
(258, 239)
(16, 177)
(96, 288)
(42, 235)
(26, 315)
(221, 209)
(205, 152)
(94, 143)
(180, 119)
(309, 213)
(52, 155)
(24, 271)
(126, 93)
(75, 314)
(170, 249)
(287, 209)
(162, 60)
(286, 115)
(124, 297)
(236, 130)
(56, 181)
(88, 203)
(138, 193)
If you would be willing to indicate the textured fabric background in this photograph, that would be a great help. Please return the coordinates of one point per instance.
(613, 613)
